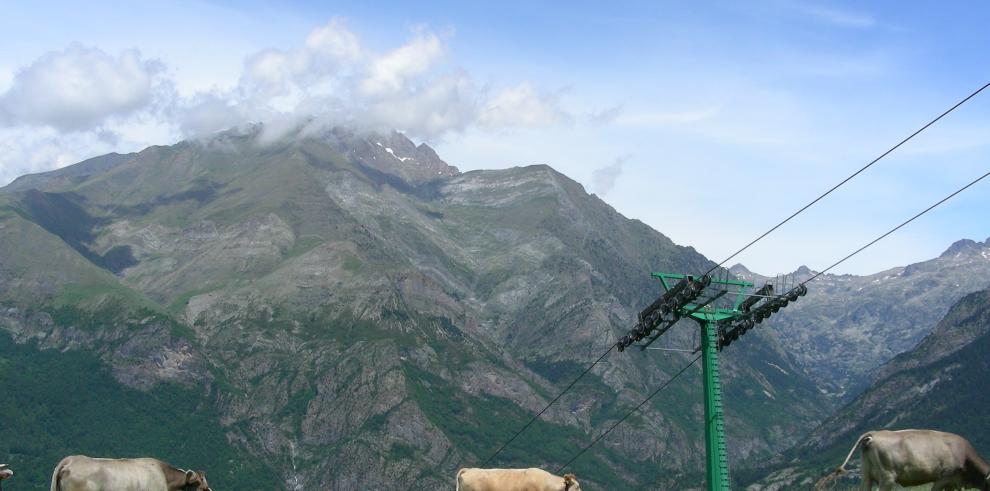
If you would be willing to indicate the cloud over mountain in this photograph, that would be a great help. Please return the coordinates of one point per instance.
(331, 78)
(79, 87)
(603, 178)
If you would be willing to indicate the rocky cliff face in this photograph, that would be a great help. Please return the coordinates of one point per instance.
(849, 325)
(361, 315)
(936, 385)
(930, 386)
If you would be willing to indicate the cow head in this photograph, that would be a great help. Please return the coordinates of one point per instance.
(570, 483)
(196, 481)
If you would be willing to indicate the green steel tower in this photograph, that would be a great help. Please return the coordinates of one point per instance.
(697, 298)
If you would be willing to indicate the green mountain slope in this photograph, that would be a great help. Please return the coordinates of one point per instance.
(360, 315)
(57, 404)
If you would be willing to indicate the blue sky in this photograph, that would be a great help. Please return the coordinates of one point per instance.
(708, 123)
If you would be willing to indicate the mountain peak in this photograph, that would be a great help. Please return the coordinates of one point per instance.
(965, 246)
(393, 153)
(68, 174)
(743, 273)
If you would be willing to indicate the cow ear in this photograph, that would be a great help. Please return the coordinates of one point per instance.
(190, 477)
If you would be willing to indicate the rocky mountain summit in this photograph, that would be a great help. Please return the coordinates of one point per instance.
(354, 313)
(850, 325)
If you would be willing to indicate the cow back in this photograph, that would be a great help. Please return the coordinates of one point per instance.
(532, 479)
(81, 473)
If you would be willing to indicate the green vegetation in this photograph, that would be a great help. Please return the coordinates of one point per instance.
(62, 403)
(395, 324)
(179, 304)
(349, 328)
(62, 215)
(304, 244)
(555, 371)
(298, 403)
(352, 264)
(113, 311)
(475, 423)
(402, 451)
(87, 294)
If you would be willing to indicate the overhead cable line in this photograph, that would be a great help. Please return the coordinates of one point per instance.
(747, 246)
(909, 220)
(630, 413)
(531, 421)
(847, 179)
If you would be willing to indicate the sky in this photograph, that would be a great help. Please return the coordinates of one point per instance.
(709, 122)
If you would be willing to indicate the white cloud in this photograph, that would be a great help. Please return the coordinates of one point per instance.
(333, 79)
(391, 73)
(603, 178)
(79, 88)
(521, 105)
(27, 150)
(270, 72)
(88, 102)
(208, 113)
(447, 103)
(333, 43)
(328, 52)
(24, 152)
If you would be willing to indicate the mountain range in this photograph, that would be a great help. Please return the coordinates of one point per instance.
(934, 385)
(346, 311)
(849, 325)
(354, 313)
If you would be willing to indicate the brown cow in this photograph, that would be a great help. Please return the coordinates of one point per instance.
(514, 480)
(916, 457)
(81, 473)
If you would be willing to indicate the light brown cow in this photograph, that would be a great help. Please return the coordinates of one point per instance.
(916, 457)
(81, 473)
(514, 480)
